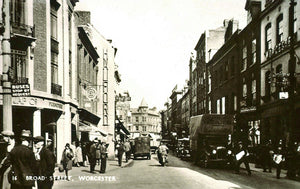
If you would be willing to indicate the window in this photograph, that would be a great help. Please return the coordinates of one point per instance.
(18, 64)
(253, 91)
(279, 78)
(234, 102)
(244, 90)
(279, 29)
(218, 106)
(253, 51)
(17, 11)
(144, 119)
(209, 82)
(244, 62)
(54, 68)
(209, 105)
(267, 83)
(136, 128)
(53, 19)
(223, 105)
(226, 70)
(232, 66)
(136, 119)
(144, 128)
(268, 37)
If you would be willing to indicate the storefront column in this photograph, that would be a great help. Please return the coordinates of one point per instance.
(37, 122)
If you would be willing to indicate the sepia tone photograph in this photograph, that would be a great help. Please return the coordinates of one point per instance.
(130, 94)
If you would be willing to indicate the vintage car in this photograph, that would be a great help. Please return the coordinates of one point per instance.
(183, 149)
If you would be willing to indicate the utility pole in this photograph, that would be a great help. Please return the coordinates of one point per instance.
(291, 69)
(6, 54)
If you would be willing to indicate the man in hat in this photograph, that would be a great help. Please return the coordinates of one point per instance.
(103, 156)
(45, 163)
(242, 157)
(49, 144)
(23, 163)
(92, 157)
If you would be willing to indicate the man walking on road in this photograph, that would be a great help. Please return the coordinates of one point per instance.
(242, 157)
(127, 149)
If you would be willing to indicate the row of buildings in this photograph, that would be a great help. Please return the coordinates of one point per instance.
(139, 121)
(67, 68)
(253, 73)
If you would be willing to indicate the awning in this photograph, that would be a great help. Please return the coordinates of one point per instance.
(88, 116)
(91, 128)
(120, 127)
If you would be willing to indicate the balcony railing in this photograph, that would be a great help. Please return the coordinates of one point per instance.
(22, 29)
(55, 89)
(19, 80)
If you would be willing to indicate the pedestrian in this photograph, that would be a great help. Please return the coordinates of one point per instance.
(98, 144)
(84, 153)
(23, 163)
(279, 158)
(242, 156)
(120, 148)
(45, 163)
(291, 160)
(103, 156)
(92, 156)
(127, 149)
(73, 148)
(266, 156)
(66, 159)
(49, 144)
(78, 155)
(7, 143)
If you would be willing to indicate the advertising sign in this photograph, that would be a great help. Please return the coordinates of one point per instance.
(20, 90)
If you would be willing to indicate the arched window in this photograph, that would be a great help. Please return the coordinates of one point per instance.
(268, 37)
(279, 29)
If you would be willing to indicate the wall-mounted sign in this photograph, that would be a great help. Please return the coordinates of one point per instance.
(19, 90)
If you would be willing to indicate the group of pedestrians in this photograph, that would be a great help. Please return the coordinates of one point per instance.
(280, 156)
(24, 165)
(97, 155)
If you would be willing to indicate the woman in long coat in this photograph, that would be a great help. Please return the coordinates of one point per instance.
(66, 158)
(78, 155)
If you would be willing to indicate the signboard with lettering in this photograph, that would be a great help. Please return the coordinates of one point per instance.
(19, 90)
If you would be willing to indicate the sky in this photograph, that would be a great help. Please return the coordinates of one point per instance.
(155, 39)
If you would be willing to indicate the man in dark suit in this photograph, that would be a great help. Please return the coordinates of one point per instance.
(92, 156)
(46, 164)
(23, 164)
